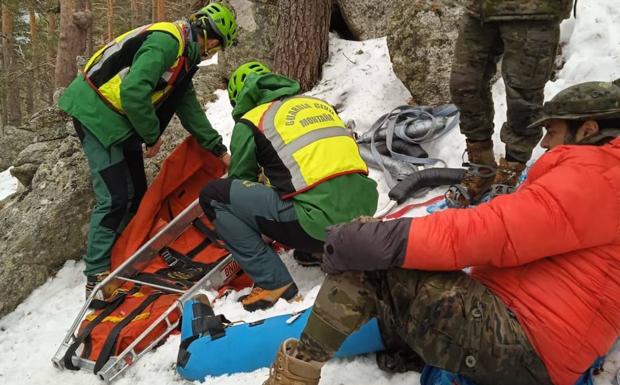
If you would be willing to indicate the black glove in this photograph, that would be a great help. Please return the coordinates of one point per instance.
(364, 246)
(219, 150)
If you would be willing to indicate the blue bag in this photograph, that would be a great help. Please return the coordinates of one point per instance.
(435, 376)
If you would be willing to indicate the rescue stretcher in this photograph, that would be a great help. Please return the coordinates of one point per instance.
(224, 272)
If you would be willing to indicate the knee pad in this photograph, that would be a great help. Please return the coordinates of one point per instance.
(216, 190)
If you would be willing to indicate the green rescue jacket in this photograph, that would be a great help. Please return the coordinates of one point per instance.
(155, 56)
(497, 10)
(334, 201)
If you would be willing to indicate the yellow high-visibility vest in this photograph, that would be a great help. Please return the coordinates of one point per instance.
(106, 69)
(306, 144)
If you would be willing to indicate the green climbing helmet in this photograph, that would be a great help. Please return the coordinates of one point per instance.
(220, 20)
(590, 100)
(238, 77)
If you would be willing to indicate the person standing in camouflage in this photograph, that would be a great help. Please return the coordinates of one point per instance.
(526, 34)
(529, 310)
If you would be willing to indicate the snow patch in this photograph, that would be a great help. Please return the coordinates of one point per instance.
(8, 184)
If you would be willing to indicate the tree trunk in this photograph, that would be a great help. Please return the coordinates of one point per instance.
(34, 62)
(302, 39)
(50, 17)
(11, 89)
(3, 71)
(71, 43)
(159, 10)
(136, 17)
(110, 20)
(89, 31)
(198, 4)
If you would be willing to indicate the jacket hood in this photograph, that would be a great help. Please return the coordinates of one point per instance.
(261, 89)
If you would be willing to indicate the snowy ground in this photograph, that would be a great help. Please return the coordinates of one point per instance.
(8, 184)
(358, 79)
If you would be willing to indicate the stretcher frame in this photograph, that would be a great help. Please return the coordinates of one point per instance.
(225, 271)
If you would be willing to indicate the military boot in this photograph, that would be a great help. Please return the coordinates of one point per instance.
(506, 177)
(289, 370)
(478, 178)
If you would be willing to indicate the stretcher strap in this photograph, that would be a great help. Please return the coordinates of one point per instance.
(110, 342)
(113, 304)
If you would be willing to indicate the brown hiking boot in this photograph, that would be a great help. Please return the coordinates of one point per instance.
(288, 370)
(478, 177)
(260, 299)
(93, 280)
(507, 177)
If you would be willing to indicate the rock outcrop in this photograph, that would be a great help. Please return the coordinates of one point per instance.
(421, 38)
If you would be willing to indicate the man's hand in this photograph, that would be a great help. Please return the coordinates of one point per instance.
(225, 157)
(153, 150)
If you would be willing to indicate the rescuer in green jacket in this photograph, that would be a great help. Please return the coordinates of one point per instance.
(125, 96)
(294, 171)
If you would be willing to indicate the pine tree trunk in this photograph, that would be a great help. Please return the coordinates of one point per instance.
(159, 10)
(136, 17)
(198, 4)
(110, 20)
(50, 17)
(89, 32)
(11, 88)
(302, 39)
(3, 71)
(71, 43)
(34, 62)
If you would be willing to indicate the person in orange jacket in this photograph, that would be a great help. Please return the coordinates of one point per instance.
(540, 301)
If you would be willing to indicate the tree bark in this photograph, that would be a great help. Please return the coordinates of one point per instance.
(89, 31)
(50, 17)
(32, 18)
(159, 10)
(302, 39)
(11, 89)
(198, 5)
(110, 20)
(71, 43)
(3, 70)
(136, 17)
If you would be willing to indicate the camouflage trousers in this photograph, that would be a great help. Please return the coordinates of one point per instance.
(444, 319)
(528, 49)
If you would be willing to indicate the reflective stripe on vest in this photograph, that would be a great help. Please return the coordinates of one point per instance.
(106, 69)
(310, 139)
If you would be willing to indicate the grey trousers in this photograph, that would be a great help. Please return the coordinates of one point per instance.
(242, 211)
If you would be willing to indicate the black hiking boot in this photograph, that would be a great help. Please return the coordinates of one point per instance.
(304, 258)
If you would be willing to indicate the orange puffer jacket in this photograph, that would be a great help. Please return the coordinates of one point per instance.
(550, 251)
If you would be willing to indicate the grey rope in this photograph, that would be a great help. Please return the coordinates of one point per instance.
(415, 125)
